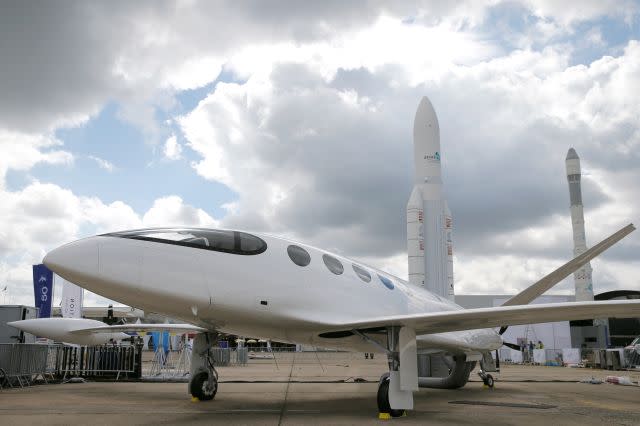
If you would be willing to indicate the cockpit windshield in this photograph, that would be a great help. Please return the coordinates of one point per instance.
(234, 242)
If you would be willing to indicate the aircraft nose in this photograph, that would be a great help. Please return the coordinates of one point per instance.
(75, 261)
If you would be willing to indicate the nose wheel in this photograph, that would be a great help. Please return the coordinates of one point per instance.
(203, 388)
(487, 379)
(203, 385)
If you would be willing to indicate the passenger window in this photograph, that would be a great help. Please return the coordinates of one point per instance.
(298, 255)
(386, 281)
(333, 264)
(362, 273)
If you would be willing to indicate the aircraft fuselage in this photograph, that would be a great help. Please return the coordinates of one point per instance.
(261, 294)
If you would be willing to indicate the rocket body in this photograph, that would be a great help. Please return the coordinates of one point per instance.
(582, 277)
(429, 221)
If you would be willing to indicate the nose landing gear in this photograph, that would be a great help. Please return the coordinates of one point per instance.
(487, 379)
(203, 385)
(489, 364)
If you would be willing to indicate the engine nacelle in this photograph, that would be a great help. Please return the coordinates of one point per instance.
(444, 371)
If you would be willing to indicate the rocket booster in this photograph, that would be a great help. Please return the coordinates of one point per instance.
(582, 277)
(429, 221)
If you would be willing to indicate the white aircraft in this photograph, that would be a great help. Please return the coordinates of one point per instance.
(274, 288)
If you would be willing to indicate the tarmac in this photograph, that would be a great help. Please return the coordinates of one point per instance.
(326, 389)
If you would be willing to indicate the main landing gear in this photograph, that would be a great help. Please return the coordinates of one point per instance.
(395, 390)
(203, 385)
(384, 407)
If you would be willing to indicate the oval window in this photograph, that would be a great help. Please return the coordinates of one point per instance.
(333, 264)
(386, 281)
(362, 273)
(298, 255)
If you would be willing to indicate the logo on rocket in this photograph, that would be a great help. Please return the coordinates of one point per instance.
(434, 157)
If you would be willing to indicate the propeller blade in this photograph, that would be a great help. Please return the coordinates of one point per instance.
(511, 345)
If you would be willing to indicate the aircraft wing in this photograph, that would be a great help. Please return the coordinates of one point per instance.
(130, 328)
(472, 319)
(538, 288)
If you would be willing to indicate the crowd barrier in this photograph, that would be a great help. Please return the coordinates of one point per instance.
(98, 361)
(226, 356)
(22, 363)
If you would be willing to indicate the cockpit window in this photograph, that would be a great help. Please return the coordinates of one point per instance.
(234, 242)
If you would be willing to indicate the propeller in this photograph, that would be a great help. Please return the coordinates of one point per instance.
(511, 345)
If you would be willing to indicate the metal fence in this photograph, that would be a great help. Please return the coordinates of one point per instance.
(226, 356)
(550, 357)
(97, 361)
(21, 363)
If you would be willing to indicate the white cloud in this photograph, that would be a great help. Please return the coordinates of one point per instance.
(575, 11)
(172, 148)
(171, 211)
(22, 151)
(102, 163)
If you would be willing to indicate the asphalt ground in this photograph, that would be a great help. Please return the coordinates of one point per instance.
(320, 389)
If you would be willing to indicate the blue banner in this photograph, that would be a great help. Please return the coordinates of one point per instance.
(160, 339)
(43, 289)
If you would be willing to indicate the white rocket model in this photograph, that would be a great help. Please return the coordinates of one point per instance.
(429, 221)
(582, 277)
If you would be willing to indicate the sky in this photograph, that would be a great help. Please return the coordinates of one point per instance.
(296, 118)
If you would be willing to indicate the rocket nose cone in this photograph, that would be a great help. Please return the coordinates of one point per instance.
(426, 130)
(426, 142)
(572, 154)
(425, 111)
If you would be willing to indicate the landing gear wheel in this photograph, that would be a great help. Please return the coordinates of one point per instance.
(383, 399)
(201, 388)
(488, 380)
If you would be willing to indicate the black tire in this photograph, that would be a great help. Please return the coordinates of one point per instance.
(198, 387)
(489, 380)
(383, 399)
